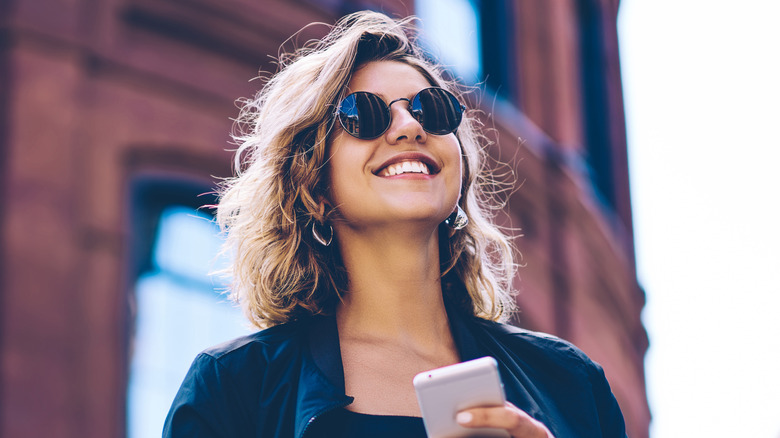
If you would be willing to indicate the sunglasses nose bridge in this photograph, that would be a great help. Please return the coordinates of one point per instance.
(408, 102)
(404, 124)
(407, 108)
(400, 119)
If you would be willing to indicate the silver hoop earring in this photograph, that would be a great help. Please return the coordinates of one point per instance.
(457, 220)
(324, 241)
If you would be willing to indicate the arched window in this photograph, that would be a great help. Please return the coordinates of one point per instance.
(179, 308)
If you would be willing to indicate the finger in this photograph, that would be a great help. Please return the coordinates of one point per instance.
(518, 423)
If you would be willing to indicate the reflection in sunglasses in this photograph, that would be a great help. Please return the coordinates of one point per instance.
(365, 115)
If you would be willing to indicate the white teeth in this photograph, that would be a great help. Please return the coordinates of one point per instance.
(406, 167)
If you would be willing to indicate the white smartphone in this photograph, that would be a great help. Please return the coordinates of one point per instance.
(443, 392)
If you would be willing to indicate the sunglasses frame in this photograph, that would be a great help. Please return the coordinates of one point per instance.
(387, 109)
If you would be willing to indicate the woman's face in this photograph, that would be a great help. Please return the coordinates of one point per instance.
(380, 181)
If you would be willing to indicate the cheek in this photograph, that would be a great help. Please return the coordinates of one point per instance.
(465, 174)
(339, 187)
(460, 164)
(343, 171)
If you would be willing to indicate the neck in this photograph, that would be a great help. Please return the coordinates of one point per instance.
(394, 286)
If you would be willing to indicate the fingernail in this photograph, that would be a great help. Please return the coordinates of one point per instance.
(464, 417)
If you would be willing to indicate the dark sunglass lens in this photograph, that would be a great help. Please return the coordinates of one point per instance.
(364, 115)
(438, 111)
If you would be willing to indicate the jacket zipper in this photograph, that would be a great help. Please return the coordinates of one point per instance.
(321, 413)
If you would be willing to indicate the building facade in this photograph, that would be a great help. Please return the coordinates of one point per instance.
(112, 110)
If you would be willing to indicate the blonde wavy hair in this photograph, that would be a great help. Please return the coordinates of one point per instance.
(279, 272)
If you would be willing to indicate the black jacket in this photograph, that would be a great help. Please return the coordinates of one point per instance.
(279, 381)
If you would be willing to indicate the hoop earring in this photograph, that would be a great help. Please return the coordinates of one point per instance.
(457, 220)
(324, 241)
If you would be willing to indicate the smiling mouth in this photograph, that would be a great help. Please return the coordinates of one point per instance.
(405, 167)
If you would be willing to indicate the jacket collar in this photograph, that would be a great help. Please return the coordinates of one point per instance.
(321, 384)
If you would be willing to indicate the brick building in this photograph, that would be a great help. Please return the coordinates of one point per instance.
(111, 110)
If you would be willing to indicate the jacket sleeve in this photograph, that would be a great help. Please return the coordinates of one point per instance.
(610, 416)
(207, 404)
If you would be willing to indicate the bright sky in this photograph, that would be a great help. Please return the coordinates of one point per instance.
(702, 89)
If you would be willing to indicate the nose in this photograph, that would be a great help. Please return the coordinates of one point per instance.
(403, 126)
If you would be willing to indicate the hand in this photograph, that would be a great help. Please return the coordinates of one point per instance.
(508, 417)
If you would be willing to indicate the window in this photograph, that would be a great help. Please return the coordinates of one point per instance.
(474, 38)
(179, 311)
(451, 30)
(598, 145)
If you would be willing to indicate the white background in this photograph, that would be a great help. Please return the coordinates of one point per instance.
(702, 90)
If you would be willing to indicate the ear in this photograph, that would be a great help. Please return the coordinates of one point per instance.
(323, 206)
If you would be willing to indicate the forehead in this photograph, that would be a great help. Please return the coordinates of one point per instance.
(388, 79)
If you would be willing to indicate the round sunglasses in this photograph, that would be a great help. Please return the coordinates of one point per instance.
(365, 115)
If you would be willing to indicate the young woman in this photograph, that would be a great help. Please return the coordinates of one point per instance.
(364, 251)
